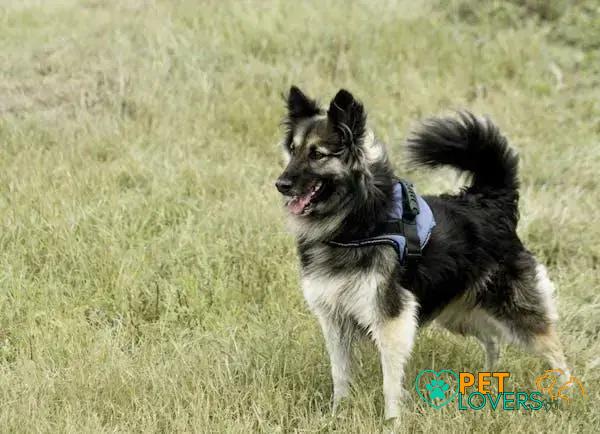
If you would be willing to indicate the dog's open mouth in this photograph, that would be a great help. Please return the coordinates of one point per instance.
(301, 205)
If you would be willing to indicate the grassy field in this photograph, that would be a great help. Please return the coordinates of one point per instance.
(147, 283)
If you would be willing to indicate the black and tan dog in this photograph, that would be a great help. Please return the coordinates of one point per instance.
(474, 276)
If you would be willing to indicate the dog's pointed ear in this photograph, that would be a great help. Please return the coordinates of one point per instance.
(300, 106)
(348, 117)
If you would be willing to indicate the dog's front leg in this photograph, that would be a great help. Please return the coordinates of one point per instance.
(394, 338)
(338, 340)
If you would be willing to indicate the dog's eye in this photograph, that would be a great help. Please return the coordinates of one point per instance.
(316, 155)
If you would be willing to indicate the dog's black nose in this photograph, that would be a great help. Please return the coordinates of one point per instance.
(284, 185)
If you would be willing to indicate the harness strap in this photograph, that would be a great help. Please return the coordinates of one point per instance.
(398, 226)
(410, 211)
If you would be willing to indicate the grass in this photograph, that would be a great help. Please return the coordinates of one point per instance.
(147, 283)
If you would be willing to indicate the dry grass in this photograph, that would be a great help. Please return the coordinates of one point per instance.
(146, 280)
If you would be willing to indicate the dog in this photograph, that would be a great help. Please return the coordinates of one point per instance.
(473, 276)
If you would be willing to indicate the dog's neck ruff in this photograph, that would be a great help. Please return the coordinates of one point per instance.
(407, 229)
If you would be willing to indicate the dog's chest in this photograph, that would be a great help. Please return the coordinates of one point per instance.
(353, 295)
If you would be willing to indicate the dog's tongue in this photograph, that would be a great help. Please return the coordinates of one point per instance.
(297, 204)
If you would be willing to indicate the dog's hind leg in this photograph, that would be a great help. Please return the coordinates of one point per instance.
(394, 338)
(547, 345)
(545, 342)
(528, 314)
(492, 351)
(477, 323)
(483, 327)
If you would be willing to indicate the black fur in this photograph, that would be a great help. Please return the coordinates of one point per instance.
(469, 145)
(300, 106)
(474, 275)
(476, 229)
(475, 237)
(348, 117)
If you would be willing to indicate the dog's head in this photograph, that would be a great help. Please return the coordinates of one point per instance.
(329, 154)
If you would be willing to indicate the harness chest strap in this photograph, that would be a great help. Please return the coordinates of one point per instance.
(408, 229)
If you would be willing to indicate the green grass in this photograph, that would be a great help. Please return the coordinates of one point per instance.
(147, 282)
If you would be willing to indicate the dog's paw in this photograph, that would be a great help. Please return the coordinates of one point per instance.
(392, 423)
(339, 406)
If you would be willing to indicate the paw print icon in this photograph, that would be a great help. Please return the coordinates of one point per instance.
(437, 389)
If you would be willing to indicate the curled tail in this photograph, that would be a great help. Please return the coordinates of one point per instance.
(471, 145)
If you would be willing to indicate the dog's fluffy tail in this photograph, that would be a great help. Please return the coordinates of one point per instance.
(471, 145)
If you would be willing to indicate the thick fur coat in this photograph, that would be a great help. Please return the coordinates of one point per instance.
(475, 277)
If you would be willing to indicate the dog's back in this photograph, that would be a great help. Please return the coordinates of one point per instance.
(476, 229)
(476, 277)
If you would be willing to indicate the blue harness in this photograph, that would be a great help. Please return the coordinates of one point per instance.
(408, 228)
